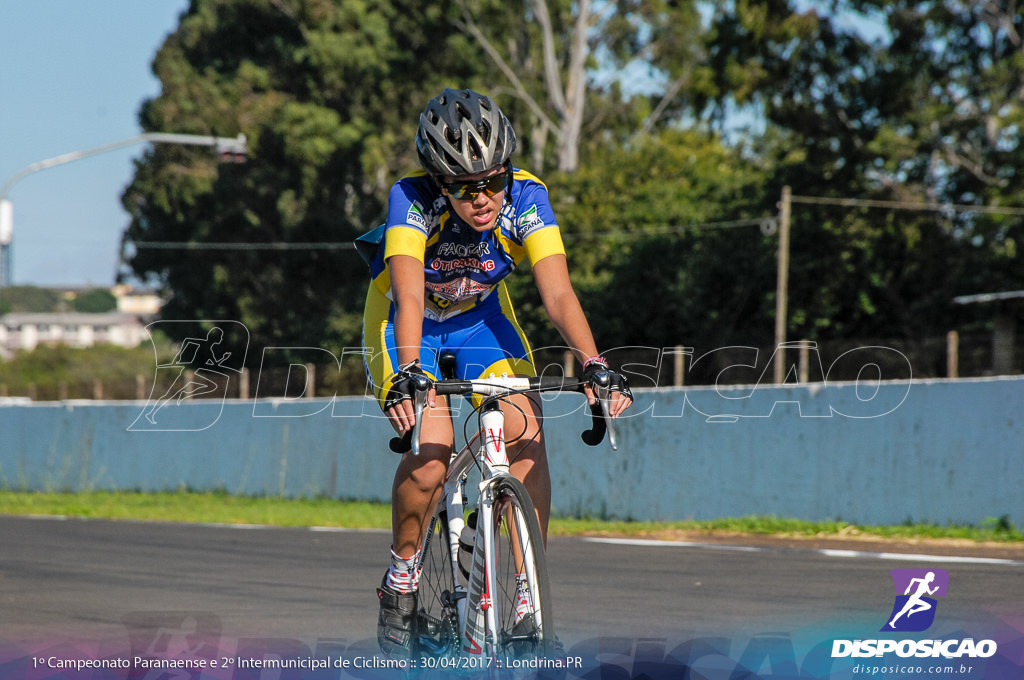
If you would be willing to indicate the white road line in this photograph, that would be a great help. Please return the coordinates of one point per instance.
(905, 557)
(645, 542)
(649, 542)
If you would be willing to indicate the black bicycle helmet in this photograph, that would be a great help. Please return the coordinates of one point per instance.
(463, 133)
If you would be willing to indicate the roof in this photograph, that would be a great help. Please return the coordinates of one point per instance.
(68, 318)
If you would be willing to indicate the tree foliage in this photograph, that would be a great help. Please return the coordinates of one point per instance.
(328, 95)
(29, 299)
(926, 111)
(94, 301)
(545, 53)
(36, 299)
(48, 370)
(628, 109)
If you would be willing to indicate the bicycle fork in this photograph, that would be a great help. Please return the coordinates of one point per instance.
(480, 620)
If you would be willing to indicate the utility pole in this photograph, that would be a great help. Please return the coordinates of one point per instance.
(782, 286)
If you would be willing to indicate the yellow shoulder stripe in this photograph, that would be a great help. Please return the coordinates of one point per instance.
(405, 241)
(523, 174)
(542, 243)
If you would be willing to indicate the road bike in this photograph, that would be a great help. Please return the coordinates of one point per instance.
(483, 592)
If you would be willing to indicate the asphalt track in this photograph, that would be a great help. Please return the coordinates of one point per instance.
(68, 580)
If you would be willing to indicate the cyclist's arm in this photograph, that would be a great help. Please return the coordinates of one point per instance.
(407, 285)
(546, 251)
(563, 307)
(565, 312)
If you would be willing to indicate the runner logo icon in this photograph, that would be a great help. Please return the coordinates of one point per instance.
(913, 611)
(915, 603)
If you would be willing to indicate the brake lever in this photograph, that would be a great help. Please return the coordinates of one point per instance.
(602, 422)
(411, 440)
(420, 399)
(606, 406)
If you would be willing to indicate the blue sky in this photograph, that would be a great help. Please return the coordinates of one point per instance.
(73, 74)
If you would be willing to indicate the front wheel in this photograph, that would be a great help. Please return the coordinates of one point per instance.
(522, 596)
(437, 615)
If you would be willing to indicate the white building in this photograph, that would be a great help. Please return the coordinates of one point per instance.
(131, 301)
(25, 330)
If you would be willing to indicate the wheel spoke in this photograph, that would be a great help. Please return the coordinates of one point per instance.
(437, 624)
(522, 603)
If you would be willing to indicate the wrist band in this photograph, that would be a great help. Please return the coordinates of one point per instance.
(598, 360)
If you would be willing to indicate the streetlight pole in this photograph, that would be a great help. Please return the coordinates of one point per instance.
(234, 147)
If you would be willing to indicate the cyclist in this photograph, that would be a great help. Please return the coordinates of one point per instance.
(453, 232)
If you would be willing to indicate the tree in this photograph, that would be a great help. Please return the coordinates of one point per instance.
(929, 111)
(94, 301)
(547, 54)
(663, 244)
(29, 299)
(626, 109)
(328, 96)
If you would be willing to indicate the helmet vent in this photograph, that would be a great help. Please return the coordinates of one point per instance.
(475, 152)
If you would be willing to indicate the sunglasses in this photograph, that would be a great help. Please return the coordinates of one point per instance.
(470, 190)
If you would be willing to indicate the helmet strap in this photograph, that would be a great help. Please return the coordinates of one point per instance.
(508, 188)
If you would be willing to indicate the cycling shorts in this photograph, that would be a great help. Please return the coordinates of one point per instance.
(485, 339)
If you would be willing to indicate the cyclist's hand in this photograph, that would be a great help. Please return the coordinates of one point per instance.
(597, 376)
(399, 405)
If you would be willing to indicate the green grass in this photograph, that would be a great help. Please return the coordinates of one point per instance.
(998, 530)
(222, 508)
(215, 508)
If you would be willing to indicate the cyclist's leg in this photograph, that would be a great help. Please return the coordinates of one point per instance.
(416, 484)
(418, 479)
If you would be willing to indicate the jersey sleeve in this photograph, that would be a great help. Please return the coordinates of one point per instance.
(535, 226)
(405, 231)
(542, 243)
(406, 226)
(407, 204)
(403, 240)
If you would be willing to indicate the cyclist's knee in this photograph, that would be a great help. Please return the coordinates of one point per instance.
(427, 470)
(530, 447)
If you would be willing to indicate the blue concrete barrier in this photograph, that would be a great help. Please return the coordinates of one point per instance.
(945, 452)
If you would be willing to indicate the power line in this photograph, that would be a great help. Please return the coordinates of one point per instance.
(266, 245)
(767, 225)
(908, 205)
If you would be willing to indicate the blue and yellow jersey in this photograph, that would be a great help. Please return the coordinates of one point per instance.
(463, 266)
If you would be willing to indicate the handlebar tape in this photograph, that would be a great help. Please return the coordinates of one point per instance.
(592, 437)
(595, 434)
(401, 444)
